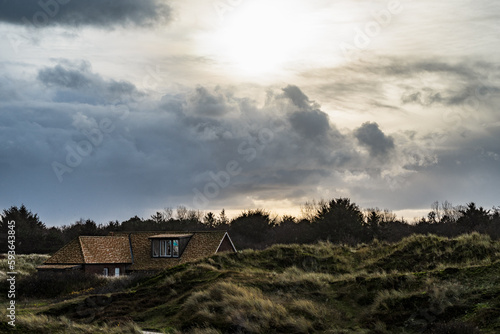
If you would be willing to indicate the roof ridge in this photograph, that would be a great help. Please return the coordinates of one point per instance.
(180, 231)
(102, 236)
(81, 248)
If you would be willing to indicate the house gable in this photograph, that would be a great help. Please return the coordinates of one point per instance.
(226, 245)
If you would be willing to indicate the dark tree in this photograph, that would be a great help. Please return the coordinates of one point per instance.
(210, 219)
(30, 231)
(157, 217)
(374, 222)
(223, 218)
(339, 220)
(473, 217)
(253, 229)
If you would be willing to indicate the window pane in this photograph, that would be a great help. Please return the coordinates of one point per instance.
(163, 248)
(105, 272)
(175, 248)
(117, 271)
(169, 248)
(156, 248)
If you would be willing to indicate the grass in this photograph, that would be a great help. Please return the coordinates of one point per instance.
(25, 264)
(422, 284)
(42, 324)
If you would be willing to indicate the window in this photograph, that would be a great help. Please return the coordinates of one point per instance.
(117, 271)
(176, 248)
(105, 272)
(165, 247)
(156, 248)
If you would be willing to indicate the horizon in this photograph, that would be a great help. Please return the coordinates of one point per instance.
(116, 109)
(299, 213)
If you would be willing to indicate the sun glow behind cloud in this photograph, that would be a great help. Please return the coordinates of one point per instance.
(260, 37)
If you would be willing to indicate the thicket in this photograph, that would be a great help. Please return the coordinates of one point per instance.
(338, 220)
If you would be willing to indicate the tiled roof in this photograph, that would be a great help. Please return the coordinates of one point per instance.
(135, 248)
(92, 250)
(109, 249)
(200, 245)
(71, 253)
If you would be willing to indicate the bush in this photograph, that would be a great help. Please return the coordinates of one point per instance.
(50, 285)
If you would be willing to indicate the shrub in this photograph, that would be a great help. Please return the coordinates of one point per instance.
(50, 285)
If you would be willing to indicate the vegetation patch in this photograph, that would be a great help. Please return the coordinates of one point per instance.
(412, 286)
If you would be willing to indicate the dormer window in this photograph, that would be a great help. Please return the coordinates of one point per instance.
(175, 249)
(168, 245)
(165, 247)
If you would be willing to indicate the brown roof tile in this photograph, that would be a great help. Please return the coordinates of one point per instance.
(71, 253)
(109, 249)
(91, 250)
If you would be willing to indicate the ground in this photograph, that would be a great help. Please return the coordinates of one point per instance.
(423, 284)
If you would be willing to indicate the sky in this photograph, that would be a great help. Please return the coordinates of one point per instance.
(111, 109)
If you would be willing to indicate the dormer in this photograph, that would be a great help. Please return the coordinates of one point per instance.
(168, 245)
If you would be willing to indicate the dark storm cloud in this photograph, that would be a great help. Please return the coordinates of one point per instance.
(310, 124)
(159, 151)
(64, 77)
(370, 135)
(202, 102)
(297, 96)
(75, 82)
(76, 13)
(304, 116)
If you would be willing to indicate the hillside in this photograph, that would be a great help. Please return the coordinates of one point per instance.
(422, 284)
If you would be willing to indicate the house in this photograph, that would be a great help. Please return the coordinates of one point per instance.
(126, 252)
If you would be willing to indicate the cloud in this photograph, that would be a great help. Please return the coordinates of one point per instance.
(399, 83)
(424, 97)
(161, 150)
(59, 76)
(370, 135)
(75, 82)
(298, 98)
(97, 13)
(202, 102)
(310, 124)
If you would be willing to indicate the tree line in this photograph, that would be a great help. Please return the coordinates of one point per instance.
(337, 220)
